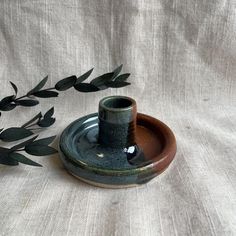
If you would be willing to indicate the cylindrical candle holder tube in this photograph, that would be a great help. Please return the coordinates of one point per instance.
(117, 121)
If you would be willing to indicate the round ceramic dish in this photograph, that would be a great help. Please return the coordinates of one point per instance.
(91, 159)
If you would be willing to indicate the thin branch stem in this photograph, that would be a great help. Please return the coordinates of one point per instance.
(30, 125)
(24, 96)
(36, 128)
(20, 150)
(20, 97)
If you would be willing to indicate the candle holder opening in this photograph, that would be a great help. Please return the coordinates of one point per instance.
(117, 103)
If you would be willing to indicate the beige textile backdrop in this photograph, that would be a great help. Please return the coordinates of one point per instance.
(182, 57)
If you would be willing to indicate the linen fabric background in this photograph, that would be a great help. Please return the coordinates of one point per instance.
(182, 57)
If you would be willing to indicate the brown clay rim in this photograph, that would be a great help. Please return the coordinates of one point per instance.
(161, 161)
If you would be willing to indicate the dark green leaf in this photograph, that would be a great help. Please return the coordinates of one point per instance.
(23, 159)
(7, 100)
(38, 86)
(86, 87)
(117, 84)
(23, 144)
(84, 76)
(101, 80)
(66, 83)
(1, 130)
(43, 141)
(8, 107)
(45, 94)
(14, 87)
(49, 113)
(47, 119)
(46, 122)
(28, 102)
(122, 77)
(40, 150)
(4, 150)
(14, 134)
(39, 115)
(117, 71)
(5, 103)
(6, 160)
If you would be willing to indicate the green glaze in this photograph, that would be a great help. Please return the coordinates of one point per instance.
(101, 148)
(83, 156)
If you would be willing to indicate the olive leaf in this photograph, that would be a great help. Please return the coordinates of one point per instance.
(14, 87)
(49, 113)
(45, 94)
(6, 160)
(28, 102)
(23, 159)
(8, 107)
(38, 86)
(46, 122)
(101, 80)
(47, 119)
(14, 134)
(116, 84)
(117, 71)
(4, 150)
(39, 150)
(66, 83)
(6, 103)
(86, 87)
(119, 81)
(84, 76)
(122, 77)
(43, 141)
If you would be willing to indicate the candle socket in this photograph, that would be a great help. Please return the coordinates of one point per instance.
(117, 122)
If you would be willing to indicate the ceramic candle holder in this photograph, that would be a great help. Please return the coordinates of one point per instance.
(117, 147)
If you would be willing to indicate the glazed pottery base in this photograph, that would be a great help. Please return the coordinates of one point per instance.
(108, 167)
(100, 185)
(104, 185)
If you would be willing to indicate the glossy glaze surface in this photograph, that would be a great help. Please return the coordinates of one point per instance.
(86, 158)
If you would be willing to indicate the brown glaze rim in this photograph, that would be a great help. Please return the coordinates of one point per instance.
(161, 161)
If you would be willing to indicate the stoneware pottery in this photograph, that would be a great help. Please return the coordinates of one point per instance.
(117, 147)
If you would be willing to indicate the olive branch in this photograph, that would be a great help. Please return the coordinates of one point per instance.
(40, 147)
